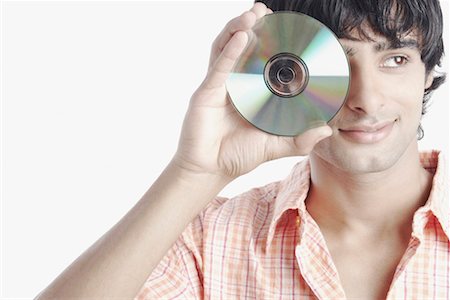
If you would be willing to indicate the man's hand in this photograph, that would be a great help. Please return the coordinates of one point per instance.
(215, 139)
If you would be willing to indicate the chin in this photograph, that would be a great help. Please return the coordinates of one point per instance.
(365, 165)
(357, 160)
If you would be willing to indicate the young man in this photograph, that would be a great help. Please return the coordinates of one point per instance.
(365, 216)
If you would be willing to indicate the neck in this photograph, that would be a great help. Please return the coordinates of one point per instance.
(376, 202)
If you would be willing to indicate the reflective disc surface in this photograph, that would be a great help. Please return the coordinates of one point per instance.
(293, 75)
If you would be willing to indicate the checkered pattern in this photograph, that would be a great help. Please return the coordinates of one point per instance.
(263, 244)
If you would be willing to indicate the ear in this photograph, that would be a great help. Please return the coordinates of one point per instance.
(429, 80)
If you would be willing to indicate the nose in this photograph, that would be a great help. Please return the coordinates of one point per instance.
(366, 93)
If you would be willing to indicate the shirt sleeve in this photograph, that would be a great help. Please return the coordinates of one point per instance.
(179, 273)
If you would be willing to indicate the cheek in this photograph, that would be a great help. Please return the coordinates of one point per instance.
(407, 94)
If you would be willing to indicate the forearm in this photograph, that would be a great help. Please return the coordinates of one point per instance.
(117, 265)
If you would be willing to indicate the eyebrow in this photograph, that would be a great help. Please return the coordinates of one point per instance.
(387, 45)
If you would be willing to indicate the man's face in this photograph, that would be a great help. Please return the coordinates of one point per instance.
(379, 121)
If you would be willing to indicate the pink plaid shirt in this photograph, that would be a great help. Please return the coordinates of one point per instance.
(251, 247)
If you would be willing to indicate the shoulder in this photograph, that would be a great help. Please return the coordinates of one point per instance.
(250, 214)
(243, 213)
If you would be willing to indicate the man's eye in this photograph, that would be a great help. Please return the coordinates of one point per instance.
(395, 61)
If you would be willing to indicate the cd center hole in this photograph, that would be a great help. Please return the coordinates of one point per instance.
(285, 75)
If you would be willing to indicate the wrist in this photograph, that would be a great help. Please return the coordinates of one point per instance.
(190, 170)
(197, 178)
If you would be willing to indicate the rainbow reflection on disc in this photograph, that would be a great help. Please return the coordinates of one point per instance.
(294, 75)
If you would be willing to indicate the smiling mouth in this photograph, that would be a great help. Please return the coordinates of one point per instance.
(367, 134)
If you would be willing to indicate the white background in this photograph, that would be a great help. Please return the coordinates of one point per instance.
(93, 96)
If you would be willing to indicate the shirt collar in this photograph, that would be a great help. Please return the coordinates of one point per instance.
(294, 189)
(438, 203)
(291, 194)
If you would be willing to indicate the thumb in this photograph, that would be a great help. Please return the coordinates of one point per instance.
(301, 144)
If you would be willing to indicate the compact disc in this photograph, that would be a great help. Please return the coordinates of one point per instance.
(293, 75)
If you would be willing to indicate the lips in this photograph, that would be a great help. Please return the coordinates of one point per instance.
(367, 133)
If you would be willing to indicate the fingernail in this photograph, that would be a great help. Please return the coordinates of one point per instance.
(324, 133)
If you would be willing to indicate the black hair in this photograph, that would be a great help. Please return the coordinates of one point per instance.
(391, 19)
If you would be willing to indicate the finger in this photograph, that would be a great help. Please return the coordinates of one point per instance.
(242, 23)
(259, 9)
(305, 142)
(269, 11)
(299, 145)
(222, 67)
